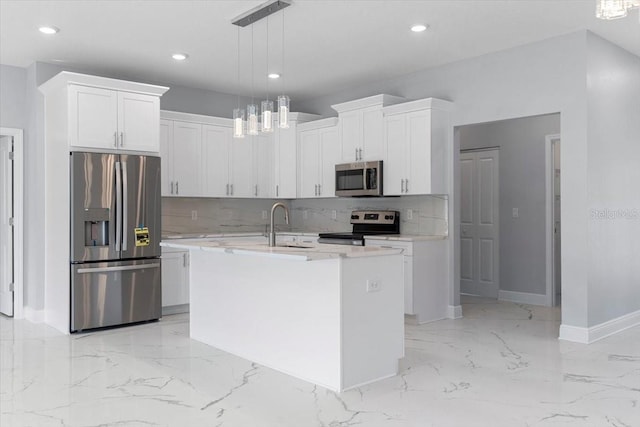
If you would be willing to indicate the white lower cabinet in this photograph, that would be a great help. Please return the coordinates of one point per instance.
(425, 277)
(175, 281)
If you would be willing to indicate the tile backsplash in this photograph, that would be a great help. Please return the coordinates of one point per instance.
(201, 215)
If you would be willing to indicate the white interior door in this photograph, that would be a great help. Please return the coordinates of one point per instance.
(6, 227)
(479, 223)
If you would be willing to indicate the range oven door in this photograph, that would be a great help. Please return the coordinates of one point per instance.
(360, 179)
(115, 293)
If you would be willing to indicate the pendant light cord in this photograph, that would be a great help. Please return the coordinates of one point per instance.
(252, 97)
(238, 67)
(267, 73)
(282, 76)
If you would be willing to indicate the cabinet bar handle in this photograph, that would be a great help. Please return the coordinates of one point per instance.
(231, 187)
(171, 187)
(356, 154)
(227, 189)
(121, 139)
(277, 191)
(177, 188)
(360, 154)
(115, 139)
(319, 189)
(406, 185)
(402, 185)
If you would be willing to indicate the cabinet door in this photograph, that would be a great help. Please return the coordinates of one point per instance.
(419, 152)
(216, 151)
(93, 117)
(329, 154)
(350, 135)
(372, 134)
(394, 168)
(187, 155)
(166, 166)
(242, 182)
(175, 278)
(138, 122)
(309, 149)
(286, 168)
(263, 165)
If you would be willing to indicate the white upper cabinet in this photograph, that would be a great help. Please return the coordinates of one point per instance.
(109, 119)
(319, 152)
(285, 154)
(361, 128)
(166, 164)
(186, 155)
(101, 114)
(417, 136)
(138, 120)
(263, 165)
(216, 155)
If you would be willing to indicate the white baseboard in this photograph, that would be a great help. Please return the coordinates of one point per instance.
(454, 312)
(598, 332)
(33, 316)
(522, 297)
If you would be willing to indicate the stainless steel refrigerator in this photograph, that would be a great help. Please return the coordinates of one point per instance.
(115, 240)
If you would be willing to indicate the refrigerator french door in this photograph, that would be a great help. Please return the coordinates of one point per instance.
(115, 239)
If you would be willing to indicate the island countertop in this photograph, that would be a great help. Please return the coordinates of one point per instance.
(305, 251)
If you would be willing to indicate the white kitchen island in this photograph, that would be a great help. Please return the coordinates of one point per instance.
(328, 314)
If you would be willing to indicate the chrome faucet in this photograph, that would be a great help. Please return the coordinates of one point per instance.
(272, 233)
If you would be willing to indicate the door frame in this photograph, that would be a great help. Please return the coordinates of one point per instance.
(18, 219)
(550, 218)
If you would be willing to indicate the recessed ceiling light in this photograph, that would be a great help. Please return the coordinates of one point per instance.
(274, 76)
(418, 28)
(179, 56)
(48, 29)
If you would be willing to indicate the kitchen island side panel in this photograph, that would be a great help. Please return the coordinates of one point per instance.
(283, 314)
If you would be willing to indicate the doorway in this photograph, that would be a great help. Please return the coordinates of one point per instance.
(11, 222)
(480, 222)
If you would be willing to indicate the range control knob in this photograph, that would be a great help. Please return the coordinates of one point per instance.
(388, 217)
(354, 217)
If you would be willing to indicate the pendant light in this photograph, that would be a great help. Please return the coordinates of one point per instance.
(267, 106)
(252, 109)
(238, 113)
(253, 124)
(283, 100)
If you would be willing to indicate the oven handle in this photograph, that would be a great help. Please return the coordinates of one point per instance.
(119, 268)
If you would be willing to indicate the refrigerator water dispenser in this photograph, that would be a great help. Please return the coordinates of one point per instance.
(96, 227)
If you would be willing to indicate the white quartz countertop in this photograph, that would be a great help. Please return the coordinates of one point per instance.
(291, 250)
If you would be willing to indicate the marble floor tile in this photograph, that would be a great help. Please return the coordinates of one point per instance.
(500, 365)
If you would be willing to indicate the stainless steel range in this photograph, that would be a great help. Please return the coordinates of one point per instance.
(365, 223)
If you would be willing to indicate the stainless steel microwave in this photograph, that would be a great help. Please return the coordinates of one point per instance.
(359, 179)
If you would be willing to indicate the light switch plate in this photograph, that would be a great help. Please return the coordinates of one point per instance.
(515, 213)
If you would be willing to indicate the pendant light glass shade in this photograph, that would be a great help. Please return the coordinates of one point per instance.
(283, 112)
(252, 119)
(238, 123)
(267, 116)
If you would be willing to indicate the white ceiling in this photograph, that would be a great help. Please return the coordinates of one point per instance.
(329, 44)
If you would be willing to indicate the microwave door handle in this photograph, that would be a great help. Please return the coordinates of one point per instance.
(365, 184)
(118, 206)
(125, 206)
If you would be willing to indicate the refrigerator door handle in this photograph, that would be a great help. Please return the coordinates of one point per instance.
(125, 206)
(119, 268)
(118, 206)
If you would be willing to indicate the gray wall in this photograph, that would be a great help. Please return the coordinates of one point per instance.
(522, 185)
(613, 263)
(13, 109)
